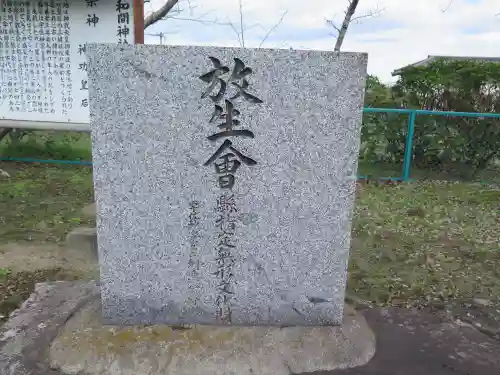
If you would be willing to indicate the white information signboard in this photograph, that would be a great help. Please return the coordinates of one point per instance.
(42, 54)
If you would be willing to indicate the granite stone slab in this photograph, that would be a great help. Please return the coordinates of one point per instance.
(224, 202)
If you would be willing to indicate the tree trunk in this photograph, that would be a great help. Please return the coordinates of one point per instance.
(353, 4)
(160, 13)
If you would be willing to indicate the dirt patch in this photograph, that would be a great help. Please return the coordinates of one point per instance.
(26, 257)
(15, 288)
(23, 266)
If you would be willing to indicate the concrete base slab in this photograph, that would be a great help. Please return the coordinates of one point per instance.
(26, 336)
(89, 211)
(408, 342)
(84, 345)
(83, 239)
(58, 331)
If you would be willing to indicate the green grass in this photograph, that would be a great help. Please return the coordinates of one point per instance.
(42, 203)
(413, 244)
(455, 173)
(4, 272)
(76, 146)
(49, 145)
(426, 242)
(379, 170)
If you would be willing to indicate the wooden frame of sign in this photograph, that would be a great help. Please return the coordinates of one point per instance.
(139, 21)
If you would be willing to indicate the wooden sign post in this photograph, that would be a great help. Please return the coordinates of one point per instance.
(139, 21)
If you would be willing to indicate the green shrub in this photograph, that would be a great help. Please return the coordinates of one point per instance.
(48, 145)
(440, 142)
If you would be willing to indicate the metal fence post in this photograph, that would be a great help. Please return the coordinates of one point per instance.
(409, 145)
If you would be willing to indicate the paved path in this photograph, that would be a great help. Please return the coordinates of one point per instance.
(418, 343)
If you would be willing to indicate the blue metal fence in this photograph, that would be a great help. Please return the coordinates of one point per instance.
(412, 115)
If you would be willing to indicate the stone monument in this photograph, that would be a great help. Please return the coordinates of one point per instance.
(224, 182)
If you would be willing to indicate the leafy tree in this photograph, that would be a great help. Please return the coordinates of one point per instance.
(460, 86)
(459, 145)
(382, 134)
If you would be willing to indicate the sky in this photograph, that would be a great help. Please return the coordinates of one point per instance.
(401, 33)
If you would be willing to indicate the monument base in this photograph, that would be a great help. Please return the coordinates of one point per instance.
(76, 342)
(87, 346)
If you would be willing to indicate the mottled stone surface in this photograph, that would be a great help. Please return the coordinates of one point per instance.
(25, 338)
(163, 220)
(85, 346)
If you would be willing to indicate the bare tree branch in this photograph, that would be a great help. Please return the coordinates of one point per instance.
(171, 10)
(450, 3)
(201, 19)
(372, 13)
(160, 13)
(271, 30)
(351, 9)
(241, 29)
(447, 7)
(348, 19)
(236, 31)
(241, 24)
(332, 24)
